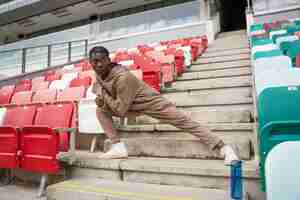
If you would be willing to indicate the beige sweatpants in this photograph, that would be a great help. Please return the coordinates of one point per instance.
(170, 115)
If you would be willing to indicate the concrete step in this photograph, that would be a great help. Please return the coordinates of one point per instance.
(223, 58)
(224, 35)
(164, 171)
(220, 66)
(96, 189)
(242, 71)
(224, 96)
(228, 82)
(171, 147)
(210, 116)
(223, 46)
(225, 53)
(229, 127)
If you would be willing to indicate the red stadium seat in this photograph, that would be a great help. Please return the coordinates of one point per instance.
(89, 73)
(22, 97)
(52, 77)
(72, 94)
(56, 116)
(44, 96)
(36, 86)
(5, 96)
(84, 81)
(26, 86)
(16, 116)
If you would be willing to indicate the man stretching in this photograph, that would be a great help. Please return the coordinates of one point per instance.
(120, 93)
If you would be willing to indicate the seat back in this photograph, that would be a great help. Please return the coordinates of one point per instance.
(71, 94)
(277, 78)
(12, 117)
(26, 86)
(40, 86)
(274, 63)
(19, 116)
(56, 116)
(22, 97)
(39, 149)
(5, 96)
(84, 81)
(59, 85)
(87, 119)
(278, 114)
(282, 173)
(44, 96)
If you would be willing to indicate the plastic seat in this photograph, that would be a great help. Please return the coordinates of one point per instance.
(12, 118)
(71, 94)
(37, 80)
(267, 54)
(5, 96)
(278, 120)
(40, 86)
(59, 84)
(52, 77)
(278, 171)
(26, 86)
(45, 96)
(89, 73)
(84, 81)
(68, 77)
(22, 97)
(87, 120)
(261, 48)
(277, 78)
(54, 116)
(274, 63)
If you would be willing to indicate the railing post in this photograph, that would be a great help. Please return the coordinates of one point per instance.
(85, 48)
(69, 51)
(23, 60)
(49, 55)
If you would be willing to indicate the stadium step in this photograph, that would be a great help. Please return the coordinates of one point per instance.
(95, 189)
(225, 52)
(221, 73)
(224, 58)
(211, 97)
(165, 171)
(214, 83)
(218, 66)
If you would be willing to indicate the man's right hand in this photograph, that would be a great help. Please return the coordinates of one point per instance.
(99, 101)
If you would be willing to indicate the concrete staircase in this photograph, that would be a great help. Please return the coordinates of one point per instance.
(216, 91)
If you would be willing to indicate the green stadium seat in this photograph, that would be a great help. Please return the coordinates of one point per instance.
(279, 114)
(264, 54)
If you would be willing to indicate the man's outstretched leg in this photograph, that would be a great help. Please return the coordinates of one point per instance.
(118, 149)
(179, 119)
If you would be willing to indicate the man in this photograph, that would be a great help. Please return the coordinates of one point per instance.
(121, 94)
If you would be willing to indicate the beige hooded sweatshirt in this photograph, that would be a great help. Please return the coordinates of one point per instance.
(128, 94)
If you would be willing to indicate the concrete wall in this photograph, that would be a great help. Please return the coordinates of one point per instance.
(188, 30)
(277, 14)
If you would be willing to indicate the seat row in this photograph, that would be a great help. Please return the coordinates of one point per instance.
(275, 50)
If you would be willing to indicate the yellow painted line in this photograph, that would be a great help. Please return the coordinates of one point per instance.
(72, 185)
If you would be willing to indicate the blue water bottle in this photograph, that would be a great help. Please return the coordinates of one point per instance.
(236, 181)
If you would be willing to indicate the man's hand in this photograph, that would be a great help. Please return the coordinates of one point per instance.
(99, 101)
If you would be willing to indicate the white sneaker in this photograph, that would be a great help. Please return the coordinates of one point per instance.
(229, 154)
(117, 150)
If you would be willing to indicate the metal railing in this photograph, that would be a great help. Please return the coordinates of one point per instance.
(17, 61)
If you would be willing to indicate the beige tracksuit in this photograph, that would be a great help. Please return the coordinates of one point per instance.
(129, 96)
